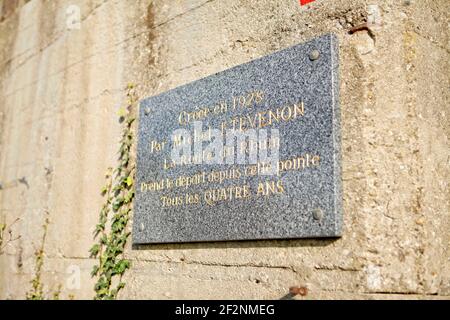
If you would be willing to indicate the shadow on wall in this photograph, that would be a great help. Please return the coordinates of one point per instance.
(297, 243)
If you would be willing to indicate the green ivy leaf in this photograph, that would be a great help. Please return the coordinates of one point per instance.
(99, 228)
(104, 240)
(95, 270)
(129, 181)
(104, 190)
(121, 266)
(94, 250)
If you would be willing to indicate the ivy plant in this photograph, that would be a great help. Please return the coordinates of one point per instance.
(111, 233)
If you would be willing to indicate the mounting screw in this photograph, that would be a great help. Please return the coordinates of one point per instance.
(314, 55)
(147, 111)
(318, 214)
(141, 227)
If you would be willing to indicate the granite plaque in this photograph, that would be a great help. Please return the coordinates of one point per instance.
(249, 153)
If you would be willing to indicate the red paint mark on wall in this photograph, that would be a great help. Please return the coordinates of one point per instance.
(303, 2)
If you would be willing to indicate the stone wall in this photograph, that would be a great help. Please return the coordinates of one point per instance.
(61, 84)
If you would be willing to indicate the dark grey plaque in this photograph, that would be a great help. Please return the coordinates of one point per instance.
(308, 203)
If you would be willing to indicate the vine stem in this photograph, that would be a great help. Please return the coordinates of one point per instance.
(7, 229)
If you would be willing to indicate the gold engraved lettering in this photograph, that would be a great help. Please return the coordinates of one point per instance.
(269, 188)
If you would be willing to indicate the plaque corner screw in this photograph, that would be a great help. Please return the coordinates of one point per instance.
(314, 55)
(141, 227)
(147, 111)
(318, 214)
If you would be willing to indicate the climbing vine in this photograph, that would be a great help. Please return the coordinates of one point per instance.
(111, 232)
(37, 288)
